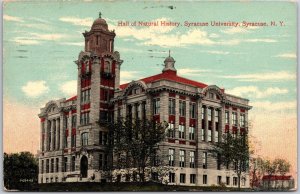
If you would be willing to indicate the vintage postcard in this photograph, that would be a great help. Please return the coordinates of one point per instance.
(150, 95)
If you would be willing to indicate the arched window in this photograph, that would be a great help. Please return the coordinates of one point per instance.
(87, 67)
(107, 67)
(84, 139)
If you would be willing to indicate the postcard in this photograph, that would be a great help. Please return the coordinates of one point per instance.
(150, 95)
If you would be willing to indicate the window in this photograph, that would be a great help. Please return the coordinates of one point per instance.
(103, 138)
(203, 134)
(87, 66)
(171, 157)
(107, 67)
(73, 121)
(216, 116)
(192, 110)
(156, 106)
(219, 180)
(227, 180)
(242, 120)
(100, 161)
(84, 139)
(105, 161)
(85, 96)
(204, 179)
(182, 178)
(57, 161)
(181, 131)
(192, 159)
(42, 170)
(227, 117)
(52, 166)
(216, 135)
(209, 135)
(243, 181)
(234, 118)
(204, 160)
(209, 114)
(171, 130)
(171, 106)
(211, 95)
(73, 163)
(66, 139)
(235, 181)
(181, 158)
(73, 140)
(202, 113)
(85, 118)
(191, 133)
(171, 177)
(181, 108)
(65, 164)
(192, 178)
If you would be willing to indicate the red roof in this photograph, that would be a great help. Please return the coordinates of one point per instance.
(71, 99)
(171, 76)
(276, 177)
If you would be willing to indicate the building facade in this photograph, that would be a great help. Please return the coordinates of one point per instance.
(73, 137)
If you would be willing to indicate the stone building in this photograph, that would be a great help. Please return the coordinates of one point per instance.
(73, 138)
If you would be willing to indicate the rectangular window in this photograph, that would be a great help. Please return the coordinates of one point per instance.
(57, 161)
(219, 162)
(181, 108)
(73, 121)
(52, 166)
(192, 178)
(209, 114)
(182, 178)
(181, 131)
(171, 130)
(100, 161)
(65, 164)
(47, 166)
(209, 135)
(85, 118)
(216, 116)
(234, 118)
(191, 133)
(171, 106)
(227, 180)
(202, 113)
(227, 117)
(203, 134)
(171, 177)
(192, 110)
(192, 159)
(42, 170)
(243, 181)
(73, 140)
(204, 160)
(181, 158)
(156, 106)
(242, 120)
(73, 163)
(84, 139)
(235, 181)
(219, 180)
(171, 157)
(204, 179)
(216, 136)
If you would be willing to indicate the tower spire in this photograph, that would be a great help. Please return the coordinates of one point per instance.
(100, 14)
(169, 53)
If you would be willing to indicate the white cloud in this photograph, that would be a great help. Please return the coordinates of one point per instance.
(78, 21)
(12, 18)
(268, 76)
(287, 55)
(253, 91)
(34, 89)
(23, 40)
(128, 76)
(69, 88)
(216, 52)
(260, 40)
(36, 38)
(72, 43)
(191, 72)
(274, 106)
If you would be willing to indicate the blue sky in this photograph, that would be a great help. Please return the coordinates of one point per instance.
(42, 39)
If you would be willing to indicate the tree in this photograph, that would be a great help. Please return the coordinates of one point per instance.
(233, 150)
(257, 170)
(20, 171)
(135, 144)
(281, 167)
(270, 170)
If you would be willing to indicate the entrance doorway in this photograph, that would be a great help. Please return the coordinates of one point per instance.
(83, 166)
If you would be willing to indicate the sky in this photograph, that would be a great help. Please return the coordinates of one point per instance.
(43, 39)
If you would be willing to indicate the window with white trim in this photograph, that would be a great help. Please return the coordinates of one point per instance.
(181, 158)
(181, 131)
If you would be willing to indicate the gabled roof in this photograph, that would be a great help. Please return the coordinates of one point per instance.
(71, 99)
(171, 76)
